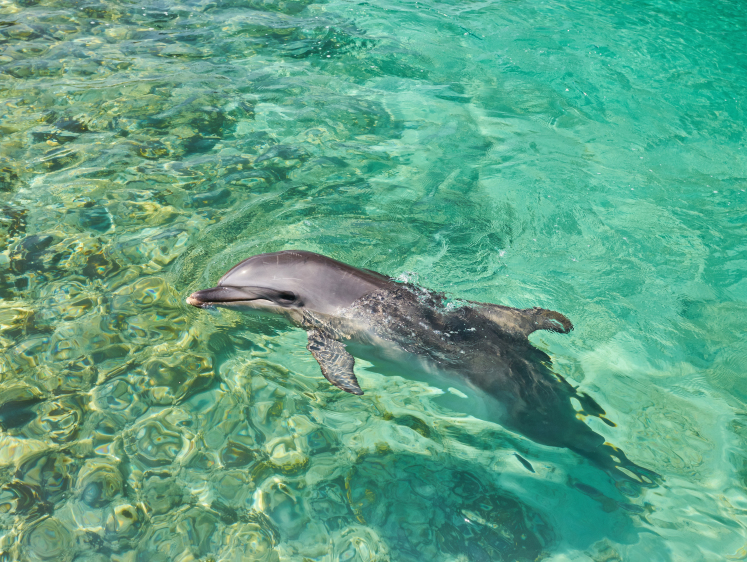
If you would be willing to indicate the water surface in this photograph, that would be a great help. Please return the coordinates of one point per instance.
(587, 158)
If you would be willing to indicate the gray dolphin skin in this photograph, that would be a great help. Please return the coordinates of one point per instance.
(482, 346)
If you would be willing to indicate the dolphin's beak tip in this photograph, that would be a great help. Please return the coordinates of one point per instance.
(193, 301)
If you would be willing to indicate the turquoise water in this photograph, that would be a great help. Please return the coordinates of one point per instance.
(584, 157)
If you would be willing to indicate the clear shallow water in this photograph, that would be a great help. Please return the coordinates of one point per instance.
(587, 158)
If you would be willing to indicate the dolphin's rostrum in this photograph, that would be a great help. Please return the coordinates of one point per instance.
(484, 346)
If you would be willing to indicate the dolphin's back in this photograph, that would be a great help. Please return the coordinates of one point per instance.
(488, 347)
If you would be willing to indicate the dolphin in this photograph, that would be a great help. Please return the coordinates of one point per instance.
(483, 346)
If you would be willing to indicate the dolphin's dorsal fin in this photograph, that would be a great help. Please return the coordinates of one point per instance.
(517, 321)
(335, 361)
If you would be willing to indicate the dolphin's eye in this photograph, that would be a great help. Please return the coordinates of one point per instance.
(286, 297)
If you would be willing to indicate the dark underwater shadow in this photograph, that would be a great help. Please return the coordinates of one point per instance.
(438, 506)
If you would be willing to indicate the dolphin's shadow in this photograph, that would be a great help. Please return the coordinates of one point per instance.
(448, 506)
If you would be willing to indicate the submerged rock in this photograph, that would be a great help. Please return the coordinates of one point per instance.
(98, 483)
(96, 218)
(32, 253)
(17, 406)
(18, 498)
(8, 179)
(281, 156)
(49, 473)
(213, 198)
(125, 524)
(47, 540)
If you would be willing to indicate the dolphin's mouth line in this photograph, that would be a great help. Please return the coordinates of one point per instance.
(195, 301)
(226, 294)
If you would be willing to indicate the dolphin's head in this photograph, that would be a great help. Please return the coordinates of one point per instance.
(281, 282)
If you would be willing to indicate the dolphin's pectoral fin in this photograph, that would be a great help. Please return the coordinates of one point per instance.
(335, 361)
